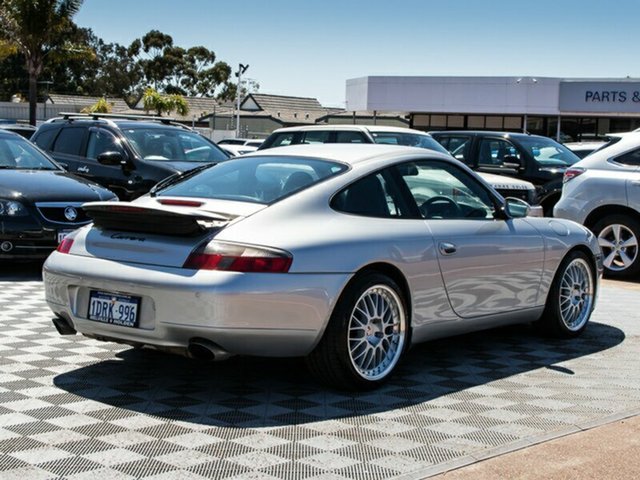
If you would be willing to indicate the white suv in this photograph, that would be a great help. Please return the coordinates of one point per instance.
(603, 193)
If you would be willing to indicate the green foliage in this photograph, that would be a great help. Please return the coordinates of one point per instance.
(101, 106)
(39, 35)
(154, 101)
(36, 28)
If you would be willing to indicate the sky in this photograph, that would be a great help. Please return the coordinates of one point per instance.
(309, 48)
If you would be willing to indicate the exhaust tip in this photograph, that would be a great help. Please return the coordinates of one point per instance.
(203, 349)
(63, 326)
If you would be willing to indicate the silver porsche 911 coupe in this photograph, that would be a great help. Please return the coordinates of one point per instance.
(344, 254)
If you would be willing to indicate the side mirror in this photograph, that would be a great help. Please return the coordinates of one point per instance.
(112, 158)
(511, 161)
(516, 208)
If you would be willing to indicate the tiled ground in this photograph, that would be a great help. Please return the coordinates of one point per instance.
(75, 408)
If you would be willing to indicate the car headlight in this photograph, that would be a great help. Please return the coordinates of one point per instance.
(11, 208)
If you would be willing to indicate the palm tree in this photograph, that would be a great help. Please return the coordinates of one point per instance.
(33, 26)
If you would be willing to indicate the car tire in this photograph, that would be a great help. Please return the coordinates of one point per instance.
(365, 337)
(571, 298)
(618, 236)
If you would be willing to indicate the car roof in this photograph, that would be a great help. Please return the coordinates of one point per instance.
(486, 133)
(343, 127)
(351, 154)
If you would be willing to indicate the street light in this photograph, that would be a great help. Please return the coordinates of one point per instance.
(241, 69)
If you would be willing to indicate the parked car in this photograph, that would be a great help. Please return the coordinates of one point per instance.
(345, 254)
(21, 129)
(39, 201)
(506, 186)
(539, 160)
(239, 146)
(603, 193)
(126, 154)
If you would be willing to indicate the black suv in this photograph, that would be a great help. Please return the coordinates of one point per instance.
(126, 154)
(539, 160)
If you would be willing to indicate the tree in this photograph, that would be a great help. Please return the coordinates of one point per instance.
(35, 28)
(159, 103)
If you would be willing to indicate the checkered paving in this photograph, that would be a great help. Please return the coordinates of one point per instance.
(75, 408)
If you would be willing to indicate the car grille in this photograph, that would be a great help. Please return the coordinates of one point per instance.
(55, 212)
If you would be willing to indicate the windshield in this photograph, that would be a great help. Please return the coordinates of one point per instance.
(172, 144)
(409, 140)
(18, 154)
(547, 152)
(255, 179)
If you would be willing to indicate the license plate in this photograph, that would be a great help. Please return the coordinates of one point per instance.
(114, 308)
(62, 234)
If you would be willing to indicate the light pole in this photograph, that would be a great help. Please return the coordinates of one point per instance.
(241, 69)
(47, 84)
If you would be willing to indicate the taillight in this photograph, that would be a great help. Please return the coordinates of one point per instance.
(572, 173)
(231, 257)
(65, 245)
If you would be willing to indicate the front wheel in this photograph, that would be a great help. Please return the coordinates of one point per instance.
(365, 337)
(570, 300)
(618, 238)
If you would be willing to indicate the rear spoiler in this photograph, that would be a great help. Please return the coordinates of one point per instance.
(161, 220)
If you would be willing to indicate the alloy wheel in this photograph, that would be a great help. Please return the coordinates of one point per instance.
(619, 246)
(377, 332)
(576, 294)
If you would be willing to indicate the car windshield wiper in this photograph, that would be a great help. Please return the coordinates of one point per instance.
(178, 177)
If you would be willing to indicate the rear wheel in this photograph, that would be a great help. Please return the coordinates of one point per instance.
(365, 337)
(571, 297)
(618, 238)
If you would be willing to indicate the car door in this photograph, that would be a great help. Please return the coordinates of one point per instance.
(488, 265)
(68, 147)
(114, 177)
(499, 156)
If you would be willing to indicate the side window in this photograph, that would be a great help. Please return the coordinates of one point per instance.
(493, 152)
(283, 139)
(375, 195)
(70, 140)
(101, 141)
(443, 191)
(458, 147)
(315, 137)
(631, 158)
(45, 138)
(350, 137)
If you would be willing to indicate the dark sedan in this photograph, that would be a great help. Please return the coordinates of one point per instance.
(39, 201)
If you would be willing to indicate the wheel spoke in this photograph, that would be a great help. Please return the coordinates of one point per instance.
(626, 260)
(616, 232)
(606, 243)
(630, 243)
(609, 259)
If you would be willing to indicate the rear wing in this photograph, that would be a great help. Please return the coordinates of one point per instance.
(165, 220)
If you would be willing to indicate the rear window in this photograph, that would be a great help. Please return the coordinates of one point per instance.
(255, 179)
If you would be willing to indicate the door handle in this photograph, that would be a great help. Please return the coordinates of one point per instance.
(636, 183)
(447, 248)
(83, 169)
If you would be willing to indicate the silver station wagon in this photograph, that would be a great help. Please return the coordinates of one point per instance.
(344, 254)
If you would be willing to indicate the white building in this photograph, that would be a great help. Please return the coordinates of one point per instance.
(565, 108)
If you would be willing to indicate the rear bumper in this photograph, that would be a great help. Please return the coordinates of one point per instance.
(250, 314)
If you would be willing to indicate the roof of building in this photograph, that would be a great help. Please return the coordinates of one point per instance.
(118, 104)
(285, 109)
